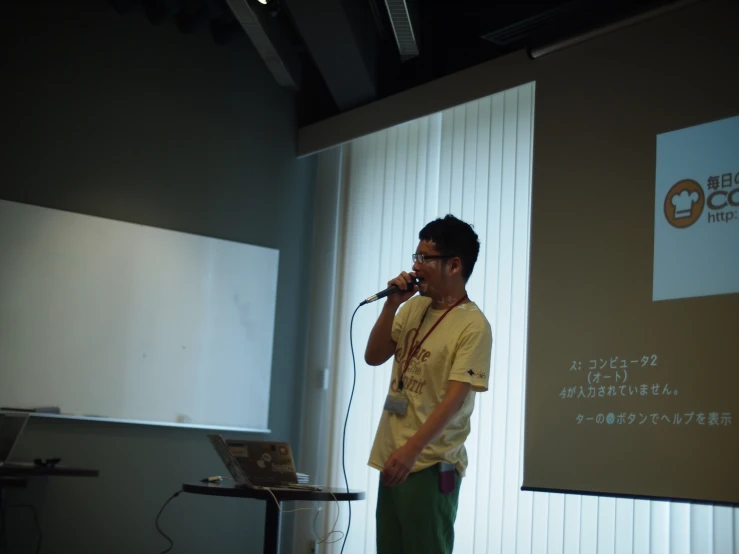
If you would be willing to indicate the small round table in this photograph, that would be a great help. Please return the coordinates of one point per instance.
(272, 521)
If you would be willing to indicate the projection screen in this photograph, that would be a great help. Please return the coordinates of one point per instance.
(632, 385)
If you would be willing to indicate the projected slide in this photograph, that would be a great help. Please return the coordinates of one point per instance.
(631, 368)
(696, 225)
(641, 391)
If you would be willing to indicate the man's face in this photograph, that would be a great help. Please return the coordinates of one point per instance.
(431, 273)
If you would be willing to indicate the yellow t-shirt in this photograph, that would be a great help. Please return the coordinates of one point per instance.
(458, 349)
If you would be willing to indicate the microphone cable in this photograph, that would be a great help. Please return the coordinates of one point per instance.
(349, 407)
(346, 420)
(156, 522)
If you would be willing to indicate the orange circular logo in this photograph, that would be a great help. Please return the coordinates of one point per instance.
(684, 203)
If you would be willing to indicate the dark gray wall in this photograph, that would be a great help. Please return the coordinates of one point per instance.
(113, 117)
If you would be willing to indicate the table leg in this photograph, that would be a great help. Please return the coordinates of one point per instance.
(272, 529)
(2, 520)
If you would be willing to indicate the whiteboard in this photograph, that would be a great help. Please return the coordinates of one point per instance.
(125, 322)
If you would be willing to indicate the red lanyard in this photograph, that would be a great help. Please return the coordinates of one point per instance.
(413, 352)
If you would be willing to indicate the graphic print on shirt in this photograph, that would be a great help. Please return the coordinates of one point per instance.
(412, 380)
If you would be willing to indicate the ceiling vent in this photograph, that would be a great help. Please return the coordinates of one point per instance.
(400, 19)
(525, 28)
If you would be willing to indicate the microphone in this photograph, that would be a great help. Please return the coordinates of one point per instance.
(393, 289)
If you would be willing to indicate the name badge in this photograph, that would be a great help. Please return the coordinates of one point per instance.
(396, 404)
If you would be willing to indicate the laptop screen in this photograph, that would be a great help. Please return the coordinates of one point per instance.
(11, 427)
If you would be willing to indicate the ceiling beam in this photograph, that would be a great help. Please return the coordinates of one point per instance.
(270, 40)
(342, 42)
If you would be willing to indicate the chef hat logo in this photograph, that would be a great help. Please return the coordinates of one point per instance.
(684, 203)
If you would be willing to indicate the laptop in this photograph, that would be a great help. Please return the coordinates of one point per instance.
(259, 464)
(11, 428)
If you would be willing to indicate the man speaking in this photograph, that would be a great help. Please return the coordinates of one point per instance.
(441, 343)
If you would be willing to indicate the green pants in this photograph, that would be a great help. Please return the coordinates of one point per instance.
(415, 516)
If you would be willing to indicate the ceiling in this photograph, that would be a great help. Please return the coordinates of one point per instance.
(340, 54)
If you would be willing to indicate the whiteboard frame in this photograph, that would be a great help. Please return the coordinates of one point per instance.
(103, 419)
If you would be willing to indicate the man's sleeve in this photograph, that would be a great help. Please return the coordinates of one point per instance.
(472, 358)
(399, 321)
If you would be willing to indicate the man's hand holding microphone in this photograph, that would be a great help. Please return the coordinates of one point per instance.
(380, 345)
(407, 283)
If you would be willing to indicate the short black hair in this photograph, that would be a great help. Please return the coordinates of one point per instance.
(453, 237)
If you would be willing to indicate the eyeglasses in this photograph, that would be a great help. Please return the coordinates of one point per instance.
(421, 258)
